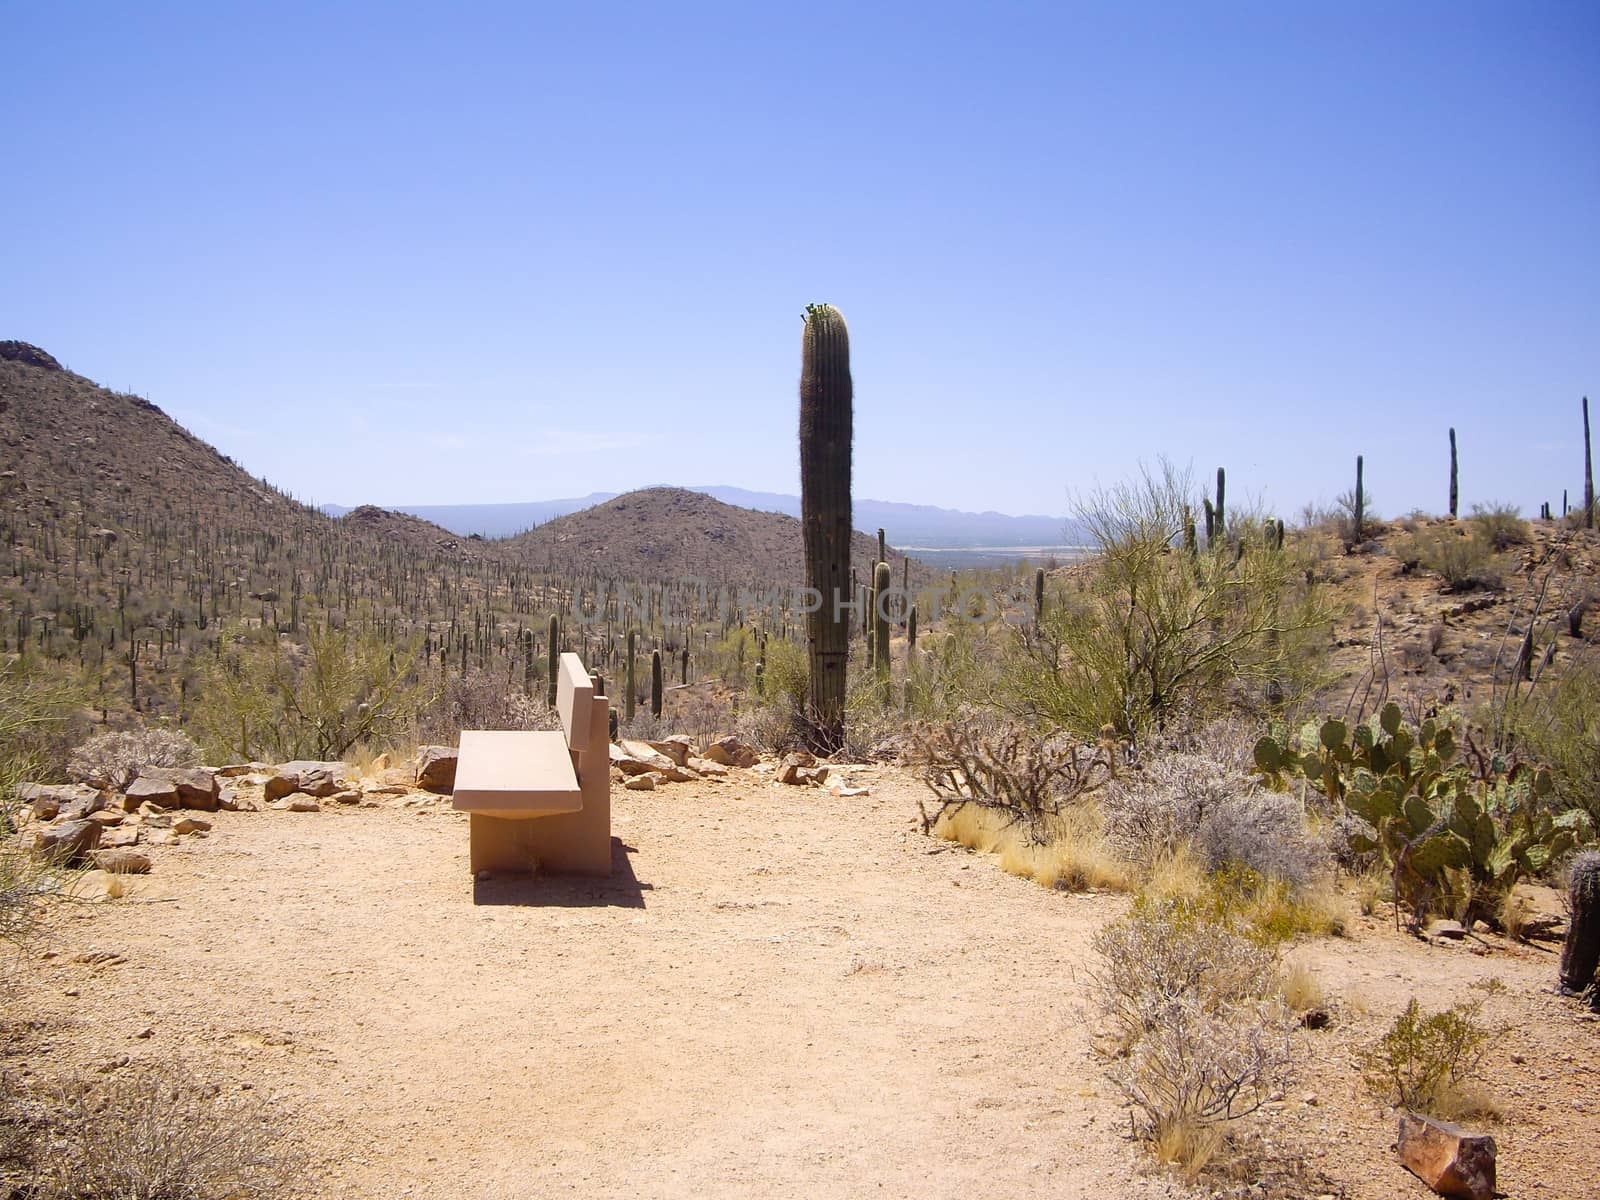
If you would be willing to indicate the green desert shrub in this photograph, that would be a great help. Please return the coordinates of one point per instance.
(1425, 1060)
(1158, 635)
(1500, 525)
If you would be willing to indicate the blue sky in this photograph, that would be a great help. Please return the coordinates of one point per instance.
(425, 254)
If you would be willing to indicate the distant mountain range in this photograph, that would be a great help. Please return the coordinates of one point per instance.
(910, 526)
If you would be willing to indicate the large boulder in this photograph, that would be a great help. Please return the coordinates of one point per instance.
(304, 775)
(67, 841)
(153, 786)
(177, 787)
(732, 752)
(436, 769)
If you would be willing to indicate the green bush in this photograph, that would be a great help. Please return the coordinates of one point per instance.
(1424, 1058)
(1500, 525)
(1463, 558)
(1559, 723)
(1159, 634)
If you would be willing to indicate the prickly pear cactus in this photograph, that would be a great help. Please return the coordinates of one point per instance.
(1446, 831)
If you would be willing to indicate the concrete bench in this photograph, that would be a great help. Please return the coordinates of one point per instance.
(542, 799)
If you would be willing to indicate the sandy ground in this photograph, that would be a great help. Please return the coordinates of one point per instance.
(782, 993)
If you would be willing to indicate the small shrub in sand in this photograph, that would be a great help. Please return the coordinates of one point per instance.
(1429, 1062)
(154, 1133)
(1199, 1032)
(1206, 799)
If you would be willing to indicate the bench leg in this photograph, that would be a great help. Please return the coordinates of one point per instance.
(501, 846)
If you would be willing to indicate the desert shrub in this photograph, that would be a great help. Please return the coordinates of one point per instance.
(1424, 1059)
(773, 718)
(111, 760)
(36, 728)
(1463, 558)
(1500, 526)
(154, 1133)
(271, 699)
(1200, 1034)
(478, 699)
(1559, 724)
(1207, 799)
(1158, 633)
(26, 885)
(993, 764)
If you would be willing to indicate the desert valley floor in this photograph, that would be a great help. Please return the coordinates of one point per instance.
(783, 993)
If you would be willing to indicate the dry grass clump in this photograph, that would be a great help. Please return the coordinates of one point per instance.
(1073, 857)
(26, 885)
(155, 1133)
(1271, 909)
(1302, 989)
(1199, 1033)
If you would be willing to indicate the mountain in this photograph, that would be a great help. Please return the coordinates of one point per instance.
(914, 525)
(492, 520)
(675, 533)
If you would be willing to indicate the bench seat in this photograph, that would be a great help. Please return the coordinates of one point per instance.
(508, 773)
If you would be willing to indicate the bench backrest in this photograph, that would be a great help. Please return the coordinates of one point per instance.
(574, 700)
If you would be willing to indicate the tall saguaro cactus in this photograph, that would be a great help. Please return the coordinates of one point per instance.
(1361, 504)
(883, 580)
(1222, 519)
(1454, 494)
(826, 415)
(552, 655)
(1588, 471)
(630, 688)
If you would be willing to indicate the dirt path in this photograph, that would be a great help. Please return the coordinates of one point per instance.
(786, 995)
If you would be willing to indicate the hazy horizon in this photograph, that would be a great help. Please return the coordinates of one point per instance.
(382, 255)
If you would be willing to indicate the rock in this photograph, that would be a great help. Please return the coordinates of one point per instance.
(677, 775)
(641, 783)
(160, 837)
(1452, 930)
(122, 862)
(68, 841)
(108, 817)
(346, 797)
(1449, 1159)
(704, 766)
(191, 825)
(678, 747)
(627, 763)
(297, 803)
(732, 752)
(152, 787)
(155, 818)
(234, 770)
(381, 763)
(794, 768)
(436, 769)
(849, 792)
(304, 775)
(116, 838)
(646, 753)
(189, 787)
(71, 801)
